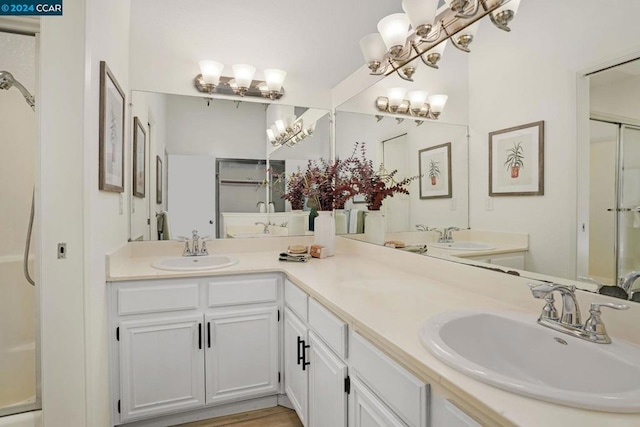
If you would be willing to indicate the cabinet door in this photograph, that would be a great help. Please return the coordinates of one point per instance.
(327, 396)
(161, 366)
(241, 354)
(295, 378)
(366, 410)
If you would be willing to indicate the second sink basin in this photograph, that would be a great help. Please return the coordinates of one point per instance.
(194, 263)
(511, 351)
(464, 246)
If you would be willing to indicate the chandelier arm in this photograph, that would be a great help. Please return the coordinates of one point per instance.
(471, 13)
(403, 77)
(434, 34)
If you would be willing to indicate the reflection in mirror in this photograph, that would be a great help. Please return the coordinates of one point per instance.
(215, 156)
(437, 151)
(608, 241)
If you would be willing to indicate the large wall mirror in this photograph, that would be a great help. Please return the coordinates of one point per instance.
(210, 166)
(523, 235)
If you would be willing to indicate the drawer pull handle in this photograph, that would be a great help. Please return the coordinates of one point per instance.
(300, 357)
(200, 336)
(304, 356)
(209, 334)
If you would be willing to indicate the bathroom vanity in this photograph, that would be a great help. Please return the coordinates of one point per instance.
(337, 339)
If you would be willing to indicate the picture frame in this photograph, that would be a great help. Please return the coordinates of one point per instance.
(111, 128)
(434, 164)
(158, 180)
(516, 161)
(139, 156)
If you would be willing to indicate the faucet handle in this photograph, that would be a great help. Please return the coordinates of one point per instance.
(594, 326)
(596, 306)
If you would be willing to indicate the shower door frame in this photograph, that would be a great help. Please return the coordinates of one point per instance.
(27, 29)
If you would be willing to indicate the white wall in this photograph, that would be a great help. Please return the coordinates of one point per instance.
(220, 129)
(530, 74)
(60, 206)
(107, 228)
(74, 211)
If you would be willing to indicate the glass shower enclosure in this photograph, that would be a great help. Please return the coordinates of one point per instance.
(19, 359)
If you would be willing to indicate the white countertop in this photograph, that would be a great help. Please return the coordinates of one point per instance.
(386, 295)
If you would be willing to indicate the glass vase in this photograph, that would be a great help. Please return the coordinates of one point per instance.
(324, 231)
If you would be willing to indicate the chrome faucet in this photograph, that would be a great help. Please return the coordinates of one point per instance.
(421, 227)
(266, 226)
(627, 281)
(569, 321)
(570, 309)
(197, 248)
(448, 238)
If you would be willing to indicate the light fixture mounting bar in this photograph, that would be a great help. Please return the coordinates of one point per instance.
(226, 86)
(450, 23)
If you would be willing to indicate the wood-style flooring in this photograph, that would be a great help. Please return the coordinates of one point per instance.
(277, 416)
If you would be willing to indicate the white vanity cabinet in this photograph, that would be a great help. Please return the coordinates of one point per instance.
(383, 384)
(161, 366)
(242, 339)
(316, 380)
(184, 344)
(367, 410)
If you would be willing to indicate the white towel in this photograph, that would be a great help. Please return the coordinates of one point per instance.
(353, 220)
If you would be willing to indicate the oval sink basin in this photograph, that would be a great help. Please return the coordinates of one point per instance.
(464, 246)
(194, 263)
(511, 351)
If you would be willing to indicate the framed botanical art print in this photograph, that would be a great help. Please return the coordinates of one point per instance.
(139, 148)
(516, 161)
(435, 172)
(111, 139)
(158, 180)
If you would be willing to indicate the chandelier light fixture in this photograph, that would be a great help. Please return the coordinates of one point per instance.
(289, 131)
(402, 38)
(210, 80)
(419, 104)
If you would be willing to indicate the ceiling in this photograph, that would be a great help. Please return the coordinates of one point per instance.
(316, 42)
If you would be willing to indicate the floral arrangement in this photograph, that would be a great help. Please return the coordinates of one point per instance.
(295, 190)
(329, 185)
(375, 184)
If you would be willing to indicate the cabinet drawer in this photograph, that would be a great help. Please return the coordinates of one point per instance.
(157, 298)
(406, 395)
(331, 329)
(296, 300)
(242, 290)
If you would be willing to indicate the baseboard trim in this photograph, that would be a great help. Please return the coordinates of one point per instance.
(206, 413)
